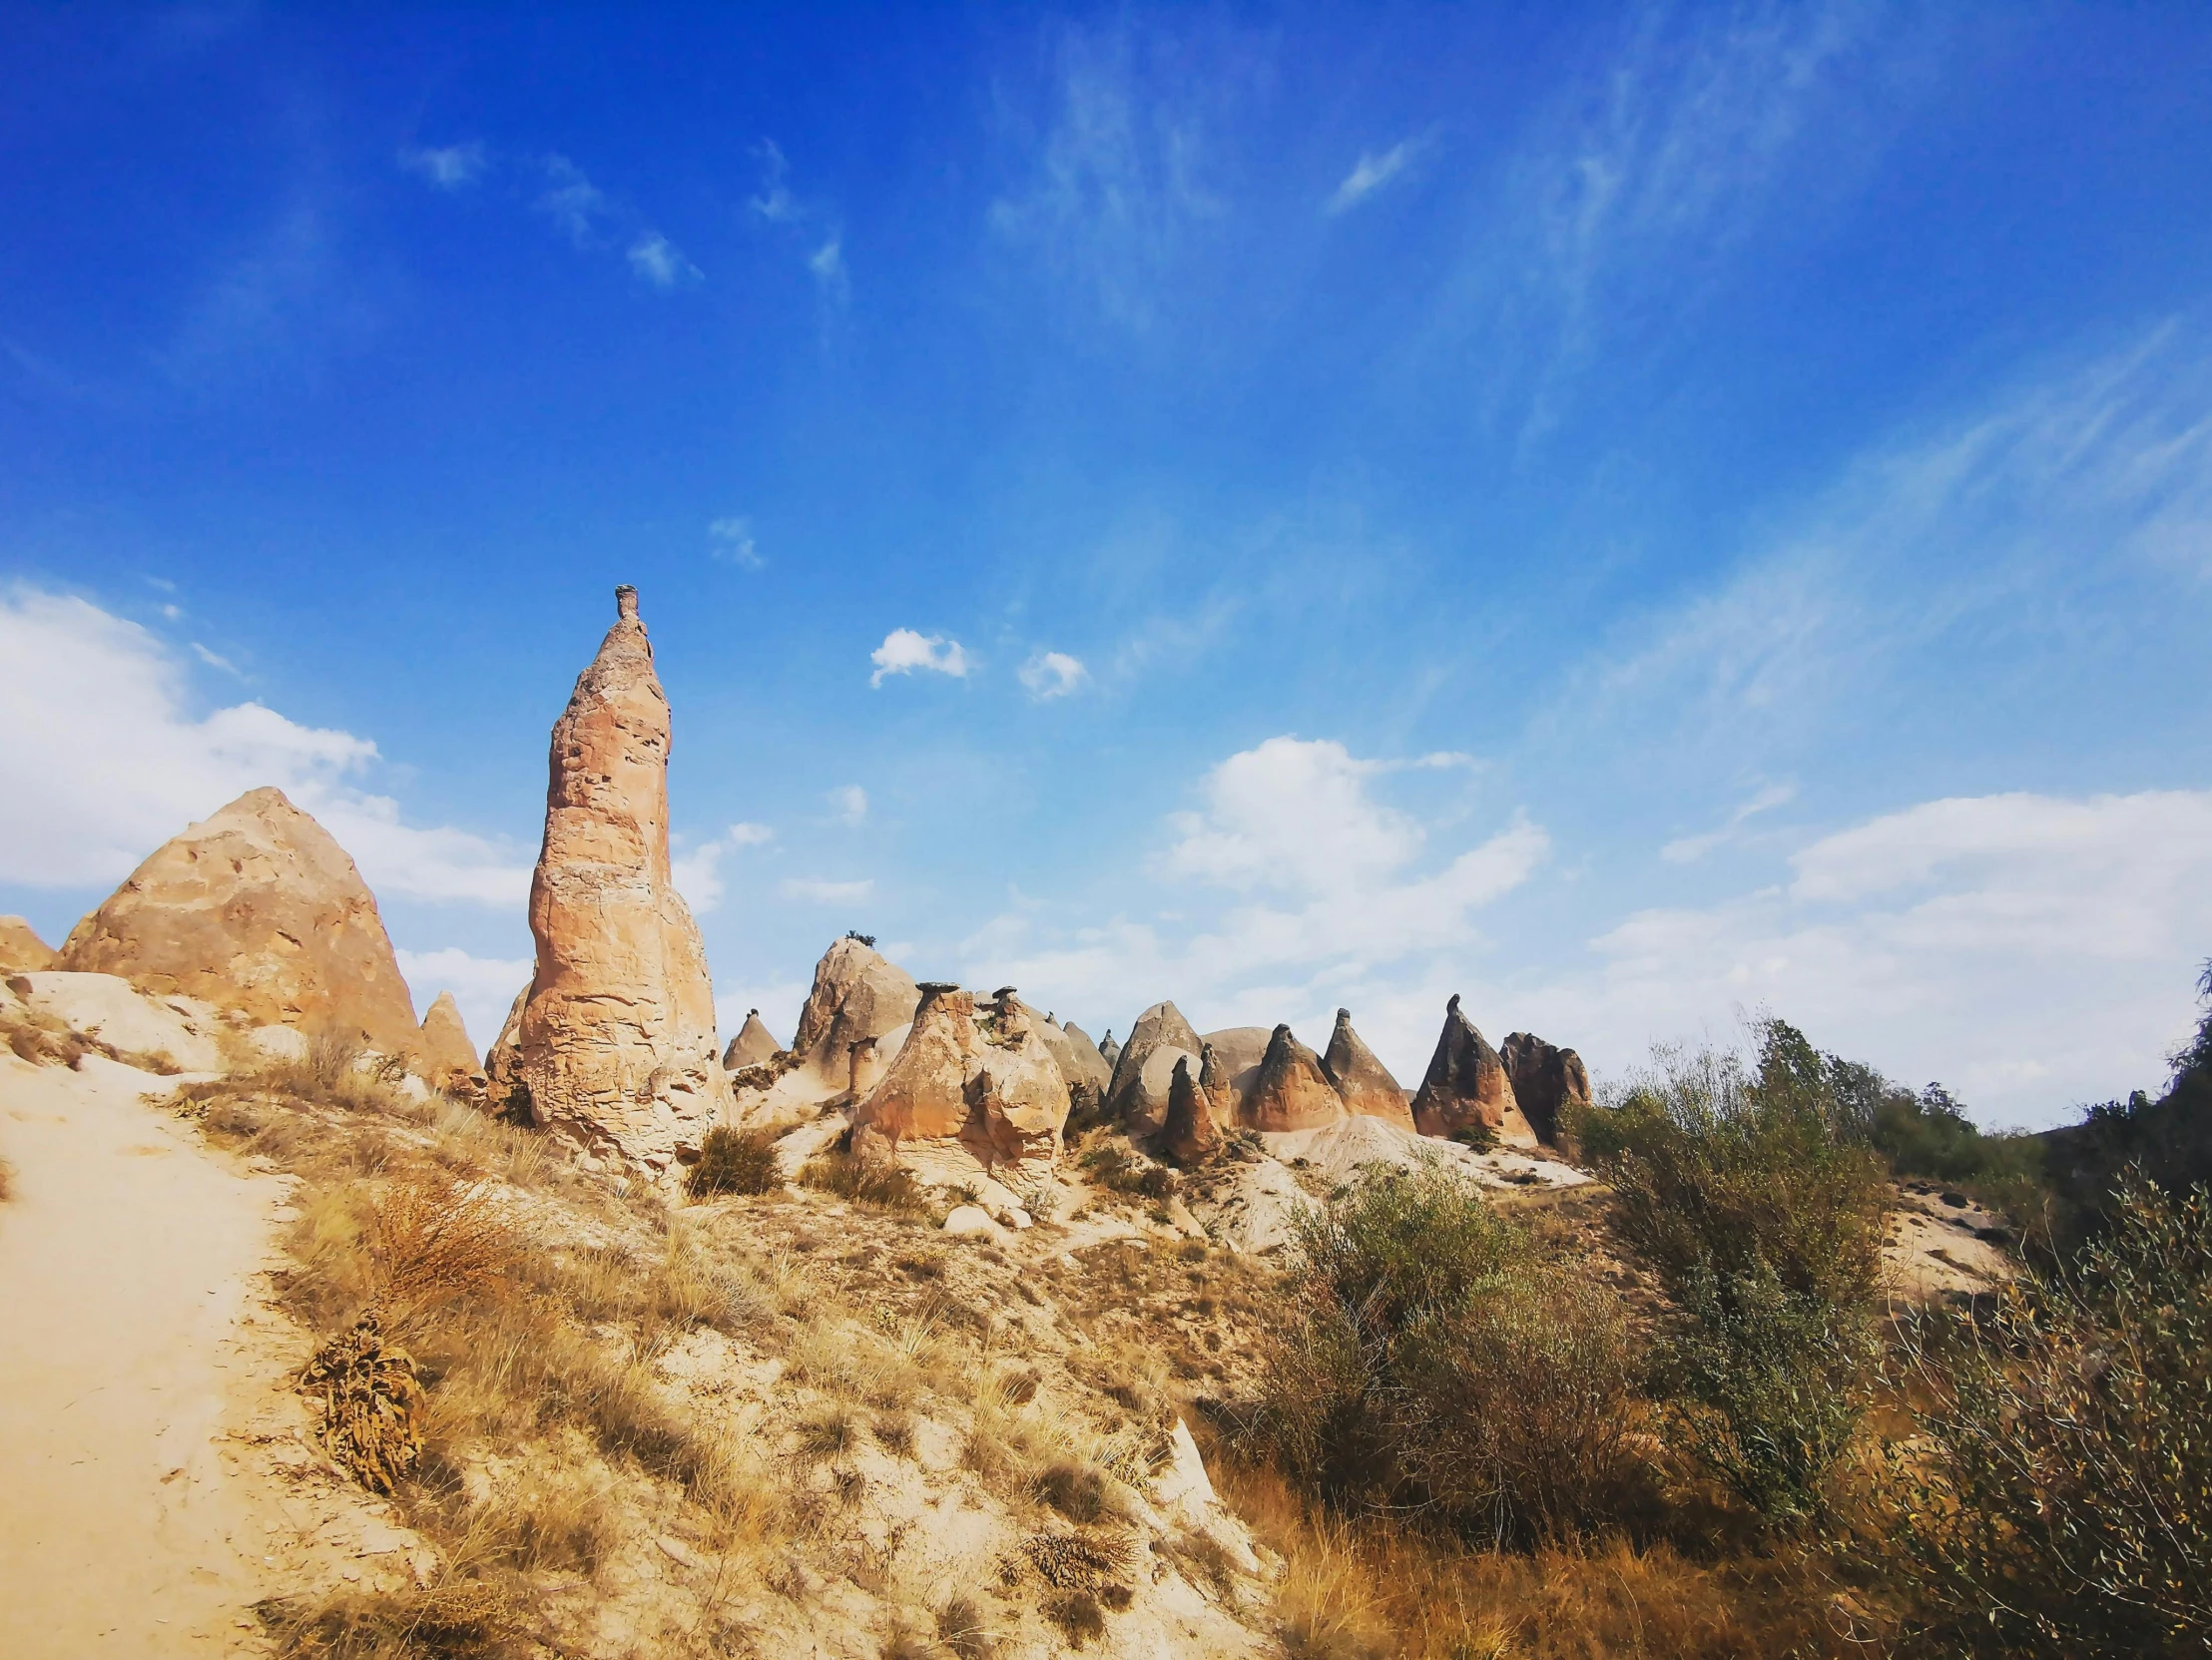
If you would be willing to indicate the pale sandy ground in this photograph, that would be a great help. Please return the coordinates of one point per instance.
(155, 1476)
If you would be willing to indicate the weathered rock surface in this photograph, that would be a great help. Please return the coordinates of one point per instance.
(173, 1030)
(617, 1041)
(984, 1077)
(1078, 1059)
(857, 993)
(446, 1051)
(1109, 1048)
(257, 911)
(1237, 1050)
(504, 1061)
(753, 1045)
(1138, 1095)
(1212, 1078)
(1547, 1080)
(1364, 1082)
(1291, 1091)
(21, 950)
(1192, 1133)
(1467, 1084)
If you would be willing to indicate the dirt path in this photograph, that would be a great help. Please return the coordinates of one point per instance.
(155, 1479)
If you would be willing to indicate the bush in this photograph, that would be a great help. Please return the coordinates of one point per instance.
(735, 1161)
(1756, 1202)
(2058, 1498)
(888, 1187)
(1428, 1365)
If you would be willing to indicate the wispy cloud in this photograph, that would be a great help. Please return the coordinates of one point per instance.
(211, 659)
(698, 870)
(731, 538)
(1054, 674)
(849, 801)
(904, 651)
(1689, 850)
(661, 263)
(814, 228)
(452, 166)
(573, 202)
(1371, 173)
(824, 892)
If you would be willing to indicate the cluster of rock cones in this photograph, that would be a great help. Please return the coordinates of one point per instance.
(259, 915)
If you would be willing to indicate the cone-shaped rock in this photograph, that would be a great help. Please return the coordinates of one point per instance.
(752, 1046)
(923, 1095)
(256, 910)
(857, 993)
(507, 1094)
(617, 1041)
(1080, 1061)
(1138, 1095)
(1109, 1047)
(1365, 1082)
(1466, 1084)
(1291, 1091)
(21, 950)
(986, 1080)
(1546, 1081)
(1018, 1097)
(1212, 1078)
(1238, 1052)
(447, 1050)
(1191, 1133)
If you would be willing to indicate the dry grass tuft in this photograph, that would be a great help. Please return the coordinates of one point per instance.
(828, 1432)
(736, 1161)
(7, 1181)
(465, 1620)
(962, 1629)
(885, 1187)
(436, 1243)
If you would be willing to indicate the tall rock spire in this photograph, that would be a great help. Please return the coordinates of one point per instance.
(1468, 1085)
(1363, 1081)
(617, 1039)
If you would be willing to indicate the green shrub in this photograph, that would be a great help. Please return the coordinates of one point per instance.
(2057, 1499)
(1428, 1364)
(735, 1161)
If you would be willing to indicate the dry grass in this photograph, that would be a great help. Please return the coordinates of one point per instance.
(884, 1186)
(7, 1181)
(1372, 1590)
(465, 1620)
(736, 1161)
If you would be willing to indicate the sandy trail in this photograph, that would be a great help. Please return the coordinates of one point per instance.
(154, 1479)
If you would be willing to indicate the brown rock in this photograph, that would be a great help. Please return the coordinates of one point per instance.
(1364, 1082)
(752, 1046)
(1238, 1052)
(923, 1095)
(1467, 1084)
(1109, 1049)
(1191, 1134)
(1291, 1091)
(1018, 1103)
(21, 950)
(1138, 1095)
(1546, 1081)
(448, 1053)
(1212, 1078)
(857, 993)
(617, 1041)
(863, 1066)
(259, 911)
(1077, 1057)
(988, 1081)
(503, 1064)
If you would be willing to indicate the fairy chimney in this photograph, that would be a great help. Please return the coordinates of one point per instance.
(1468, 1085)
(1365, 1083)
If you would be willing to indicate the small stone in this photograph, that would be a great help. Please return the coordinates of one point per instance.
(971, 1221)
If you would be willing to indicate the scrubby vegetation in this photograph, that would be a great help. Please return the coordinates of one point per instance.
(735, 1161)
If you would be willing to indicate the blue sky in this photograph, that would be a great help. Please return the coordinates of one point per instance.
(1631, 515)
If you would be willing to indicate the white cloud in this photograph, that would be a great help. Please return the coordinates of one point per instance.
(210, 659)
(451, 168)
(1371, 173)
(661, 263)
(2029, 951)
(1689, 850)
(775, 202)
(732, 539)
(811, 227)
(828, 892)
(903, 651)
(483, 987)
(828, 264)
(573, 202)
(698, 872)
(106, 763)
(1054, 674)
(851, 803)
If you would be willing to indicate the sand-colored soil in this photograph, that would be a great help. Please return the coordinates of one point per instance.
(155, 1476)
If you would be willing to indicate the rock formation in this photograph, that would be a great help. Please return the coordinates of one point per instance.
(1364, 1082)
(1292, 1092)
(1468, 1085)
(1212, 1078)
(863, 1066)
(21, 950)
(857, 993)
(986, 1078)
(1191, 1133)
(257, 911)
(447, 1054)
(1138, 1095)
(1238, 1052)
(1109, 1047)
(617, 1041)
(1078, 1059)
(1546, 1081)
(506, 1094)
(752, 1046)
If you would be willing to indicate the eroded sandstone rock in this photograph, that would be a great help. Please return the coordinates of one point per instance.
(982, 1077)
(752, 1046)
(257, 911)
(1547, 1080)
(21, 950)
(1292, 1092)
(857, 993)
(1466, 1084)
(447, 1054)
(1078, 1059)
(617, 1040)
(1192, 1133)
(1364, 1082)
(1109, 1048)
(1138, 1095)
